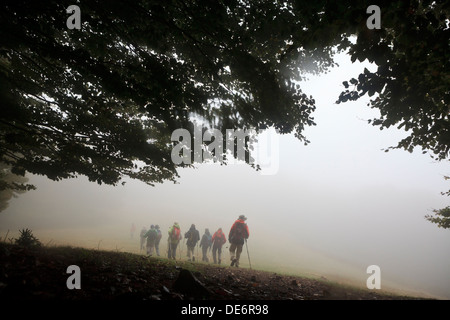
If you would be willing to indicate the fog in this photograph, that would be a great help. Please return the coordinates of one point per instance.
(330, 209)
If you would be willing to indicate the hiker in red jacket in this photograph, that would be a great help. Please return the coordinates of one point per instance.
(238, 234)
(218, 240)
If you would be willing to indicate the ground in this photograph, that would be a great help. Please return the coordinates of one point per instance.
(40, 274)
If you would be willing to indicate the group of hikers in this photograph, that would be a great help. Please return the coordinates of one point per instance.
(237, 236)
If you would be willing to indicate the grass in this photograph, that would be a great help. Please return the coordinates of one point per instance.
(105, 269)
(101, 249)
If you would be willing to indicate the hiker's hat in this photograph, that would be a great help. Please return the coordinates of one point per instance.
(242, 217)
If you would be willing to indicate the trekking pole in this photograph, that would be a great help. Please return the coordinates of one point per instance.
(248, 254)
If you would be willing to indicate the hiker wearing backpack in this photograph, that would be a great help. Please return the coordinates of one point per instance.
(192, 237)
(173, 240)
(151, 238)
(218, 240)
(158, 239)
(238, 234)
(205, 244)
(142, 237)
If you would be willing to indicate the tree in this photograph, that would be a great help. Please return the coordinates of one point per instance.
(441, 217)
(412, 80)
(411, 84)
(11, 185)
(27, 239)
(102, 101)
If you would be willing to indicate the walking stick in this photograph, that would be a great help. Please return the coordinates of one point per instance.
(246, 246)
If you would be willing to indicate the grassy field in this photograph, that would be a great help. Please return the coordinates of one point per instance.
(113, 273)
(88, 242)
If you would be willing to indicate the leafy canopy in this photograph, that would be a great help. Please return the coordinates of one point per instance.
(103, 101)
(412, 80)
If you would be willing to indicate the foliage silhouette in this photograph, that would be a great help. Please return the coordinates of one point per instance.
(27, 239)
(103, 101)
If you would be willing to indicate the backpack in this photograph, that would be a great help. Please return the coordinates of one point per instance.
(221, 238)
(218, 238)
(192, 237)
(152, 234)
(175, 233)
(206, 240)
(239, 232)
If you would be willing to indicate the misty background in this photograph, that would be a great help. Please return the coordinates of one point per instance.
(333, 208)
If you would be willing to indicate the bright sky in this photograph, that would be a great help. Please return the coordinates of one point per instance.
(339, 199)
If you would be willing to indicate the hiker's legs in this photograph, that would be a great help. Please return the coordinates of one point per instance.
(191, 252)
(232, 251)
(219, 251)
(235, 253)
(214, 251)
(174, 250)
(189, 249)
(152, 249)
(238, 253)
(157, 249)
(204, 258)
